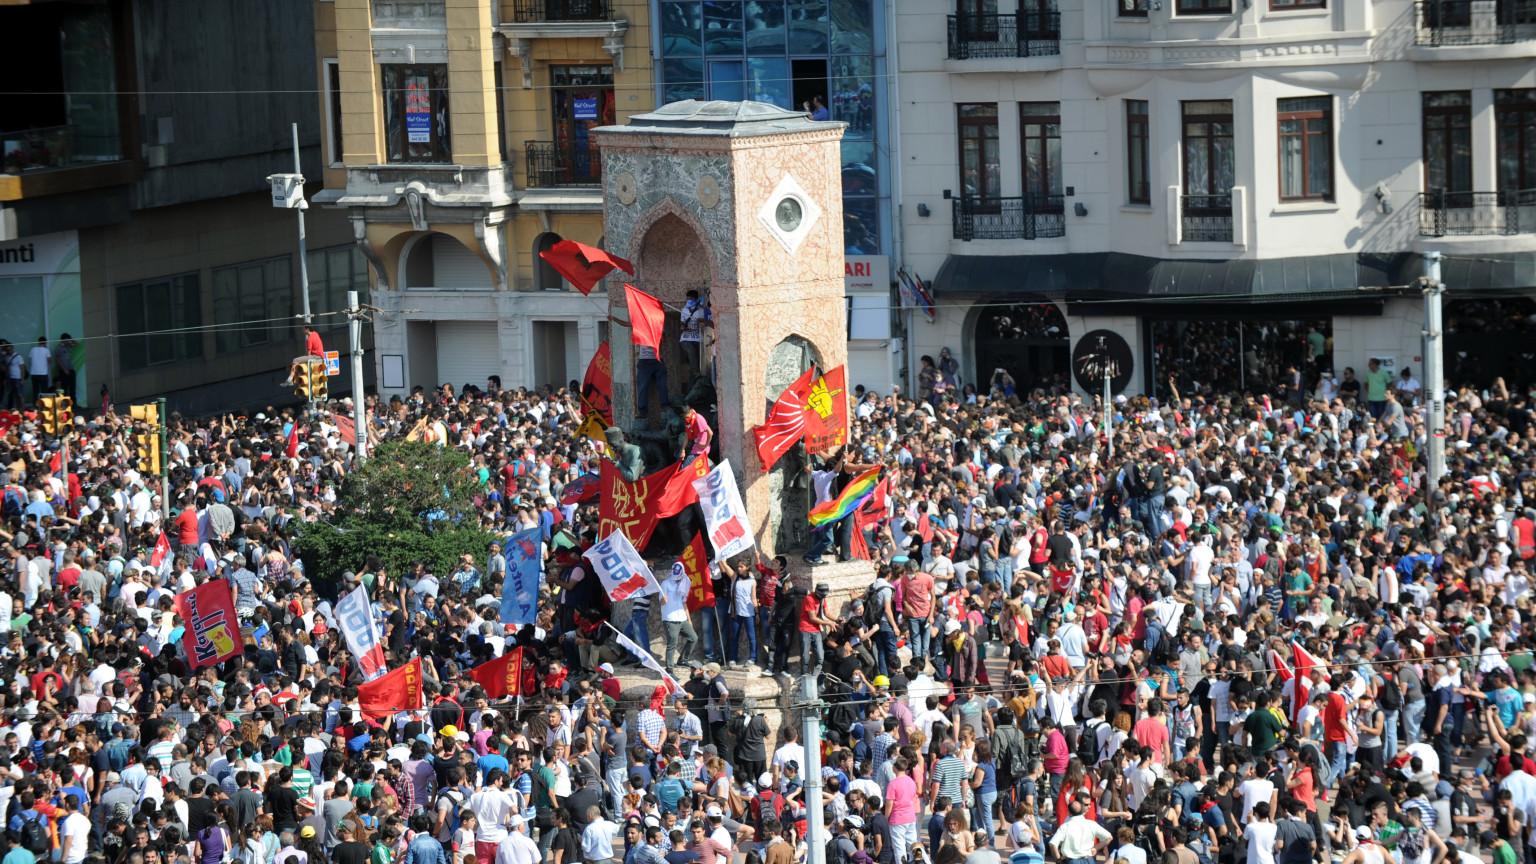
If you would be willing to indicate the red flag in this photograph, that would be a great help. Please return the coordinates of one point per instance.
(581, 490)
(826, 412)
(394, 691)
(786, 421)
(635, 508)
(582, 265)
(211, 630)
(162, 550)
(597, 384)
(293, 440)
(502, 676)
(646, 318)
(1302, 664)
(695, 561)
(867, 516)
(56, 462)
(346, 427)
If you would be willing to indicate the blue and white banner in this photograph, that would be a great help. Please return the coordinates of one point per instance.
(620, 568)
(355, 615)
(525, 567)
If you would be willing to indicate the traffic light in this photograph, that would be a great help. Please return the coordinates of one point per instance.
(57, 413)
(309, 379)
(146, 438)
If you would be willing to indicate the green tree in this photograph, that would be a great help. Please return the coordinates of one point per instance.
(409, 502)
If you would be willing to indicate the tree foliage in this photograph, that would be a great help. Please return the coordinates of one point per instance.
(409, 502)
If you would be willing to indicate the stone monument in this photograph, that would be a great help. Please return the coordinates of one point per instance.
(741, 201)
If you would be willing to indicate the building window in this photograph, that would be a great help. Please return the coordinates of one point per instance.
(1283, 5)
(1204, 7)
(979, 175)
(253, 303)
(172, 304)
(1448, 141)
(1306, 148)
(1137, 173)
(416, 113)
(1131, 8)
(332, 111)
(546, 277)
(333, 272)
(1040, 130)
(501, 116)
(1208, 156)
(1514, 114)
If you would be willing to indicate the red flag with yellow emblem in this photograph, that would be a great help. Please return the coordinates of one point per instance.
(826, 412)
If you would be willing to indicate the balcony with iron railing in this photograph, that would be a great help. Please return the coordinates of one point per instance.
(1206, 218)
(1451, 23)
(553, 164)
(1477, 214)
(534, 11)
(1022, 218)
(995, 37)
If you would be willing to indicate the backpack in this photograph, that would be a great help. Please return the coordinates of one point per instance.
(455, 810)
(874, 609)
(768, 802)
(34, 836)
(1088, 743)
(836, 854)
(1388, 696)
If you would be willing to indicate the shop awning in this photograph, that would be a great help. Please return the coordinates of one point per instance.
(1105, 275)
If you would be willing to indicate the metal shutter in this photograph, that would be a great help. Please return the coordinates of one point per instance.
(454, 267)
(467, 352)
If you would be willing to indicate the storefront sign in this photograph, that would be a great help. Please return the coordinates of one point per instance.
(866, 274)
(42, 255)
(418, 111)
(584, 108)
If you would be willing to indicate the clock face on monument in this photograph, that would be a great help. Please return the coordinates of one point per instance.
(1101, 352)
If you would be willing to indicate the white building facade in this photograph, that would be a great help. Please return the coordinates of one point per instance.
(1227, 188)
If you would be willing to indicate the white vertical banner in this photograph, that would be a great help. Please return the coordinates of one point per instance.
(355, 615)
(724, 513)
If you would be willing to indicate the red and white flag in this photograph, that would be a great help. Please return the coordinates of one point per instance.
(646, 659)
(724, 513)
(785, 425)
(1302, 664)
(162, 551)
(620, 568)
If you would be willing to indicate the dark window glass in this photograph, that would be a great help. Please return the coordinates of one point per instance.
(253, 303)
(1208, 157)
(416, 124)
(1040, 131)
(1515, 136)
(979, 164)
(807, 26)
(681, 27)
(722, 27)
(1137, 138)
(174, 305)
(333, 90)
(1448, 141)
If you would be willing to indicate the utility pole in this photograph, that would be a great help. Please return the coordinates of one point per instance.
(165, 459)
(288, 194)
(1434, 371)
(355, 337)
(1109, 428)
(815, 817)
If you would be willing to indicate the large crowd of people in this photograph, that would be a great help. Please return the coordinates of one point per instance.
(1251, 634)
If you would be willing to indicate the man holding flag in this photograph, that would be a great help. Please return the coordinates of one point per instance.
(840, 488)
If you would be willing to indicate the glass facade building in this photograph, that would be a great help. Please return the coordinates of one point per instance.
(826, 57)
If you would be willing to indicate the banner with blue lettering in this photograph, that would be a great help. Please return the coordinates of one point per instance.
(520, 588)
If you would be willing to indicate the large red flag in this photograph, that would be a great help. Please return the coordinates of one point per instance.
(394, 691)
(695, 561)
(210, 628)
(502, 676)
(646, 318)
(582, 265)
(293, 440)
(635, 508)
(1302, 664)
(826, 412)
(597, 384)
(786, 421)
(346, 428)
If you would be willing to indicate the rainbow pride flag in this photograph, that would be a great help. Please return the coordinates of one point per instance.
(848, 501)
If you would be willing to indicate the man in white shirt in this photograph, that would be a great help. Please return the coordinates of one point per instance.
(1078, 839)
(518, 848)
(74, 831)
(1255, 791)
(680, 635)
(493, 808)
(39, 365)
(1260, 835)
(597, 838)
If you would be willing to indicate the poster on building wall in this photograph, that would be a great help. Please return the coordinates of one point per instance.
(584, 108)
(418, 110)
(40, 280)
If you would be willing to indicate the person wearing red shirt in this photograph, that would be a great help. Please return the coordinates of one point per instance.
(312, 344)
(1335, 712)
(813, 617)
(186, 527)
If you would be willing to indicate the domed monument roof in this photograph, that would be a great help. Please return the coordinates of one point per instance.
(735, 119)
